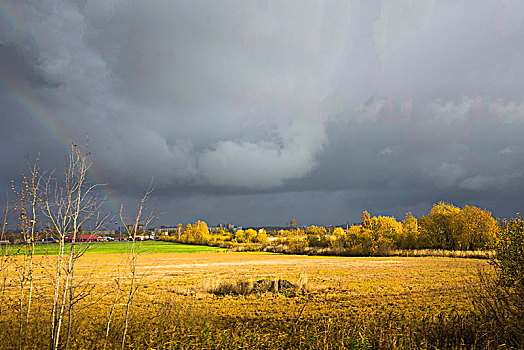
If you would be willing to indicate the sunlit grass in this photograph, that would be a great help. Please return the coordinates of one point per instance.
(122, 247)
(349, 303)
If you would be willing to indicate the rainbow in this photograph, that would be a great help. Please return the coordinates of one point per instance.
(34, 108)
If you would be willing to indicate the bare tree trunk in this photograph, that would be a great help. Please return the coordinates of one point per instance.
(34, 196)
(70, 309)
(28, 196)
(58, 279)
(132, 258)
(21, 304)
(76, 213)
(63, 301)
(112, 310)
(4, 268)
(131, 293)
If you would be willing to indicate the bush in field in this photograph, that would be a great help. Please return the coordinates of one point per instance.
(197, 233)
(297, 244)
(255, 287)
(500, 299)
(221, 236)
(382, 246)
(509, 258)
(240, 236)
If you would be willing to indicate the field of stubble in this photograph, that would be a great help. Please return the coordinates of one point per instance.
(353, 303)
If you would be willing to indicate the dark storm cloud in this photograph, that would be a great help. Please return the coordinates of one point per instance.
(259, 110)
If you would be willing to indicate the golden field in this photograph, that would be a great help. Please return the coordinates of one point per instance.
(349, 302)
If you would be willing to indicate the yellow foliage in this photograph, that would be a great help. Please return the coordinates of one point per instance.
(477, 228)
(262, 236)
(251, 235)
(240, 236)
(314, 230)
(386, 226)
(366, 220)
(339, 232)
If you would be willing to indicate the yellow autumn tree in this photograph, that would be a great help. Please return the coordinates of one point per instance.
(317, 236)
(477, 229)
(196, 233)
(444, 229)
(338, 238)
(366, 220)
(251, 235)
(262, 236)
(359, 240)
(387, 227)
(411, 237)
(240, 236)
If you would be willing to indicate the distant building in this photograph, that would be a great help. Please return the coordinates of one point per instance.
(170, 230)
(229, 227)
(105, 232)
(131, 228)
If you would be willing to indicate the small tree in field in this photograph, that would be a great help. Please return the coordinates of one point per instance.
(69, 206)
(4, 257)
(132, 257)
(27, 198)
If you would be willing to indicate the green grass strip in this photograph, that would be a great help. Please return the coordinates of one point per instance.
(145, 247)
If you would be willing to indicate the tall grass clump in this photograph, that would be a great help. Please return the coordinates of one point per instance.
(261, 286)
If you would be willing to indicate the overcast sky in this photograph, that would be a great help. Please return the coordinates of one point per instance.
(258, 111)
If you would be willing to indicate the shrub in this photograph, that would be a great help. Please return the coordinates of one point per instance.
(383, 246)
(509, 257)
(257, 287)
(500, 298)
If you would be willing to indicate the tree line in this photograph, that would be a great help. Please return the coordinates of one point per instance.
(445, 227)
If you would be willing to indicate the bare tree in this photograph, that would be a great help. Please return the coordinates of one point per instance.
(133, 253)
(4, 265)
(118, 285)
(69, 207)
(28, 197)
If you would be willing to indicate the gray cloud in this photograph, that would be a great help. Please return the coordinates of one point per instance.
(388, 101)
(481, 182)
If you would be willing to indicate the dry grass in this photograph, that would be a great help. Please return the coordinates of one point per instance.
(353, 303)
(470, 254)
